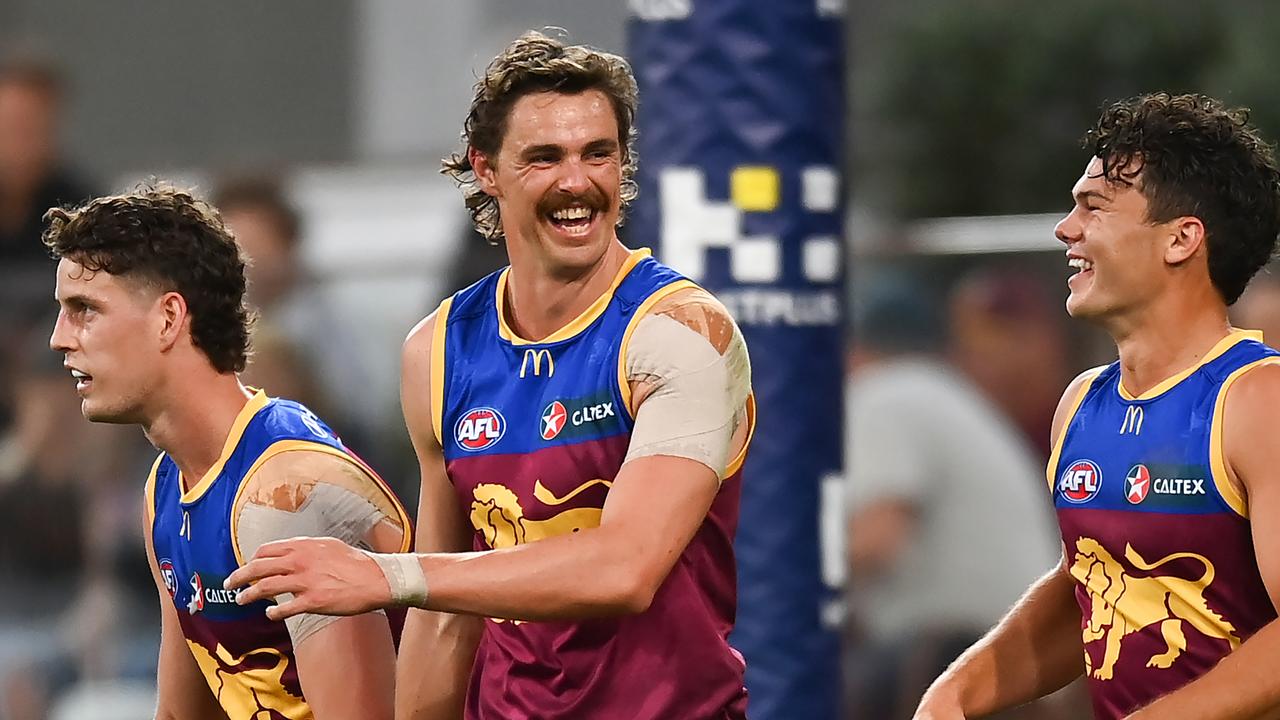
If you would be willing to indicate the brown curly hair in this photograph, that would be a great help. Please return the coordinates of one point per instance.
(167, 238)
(534, 63)
(1198, 157)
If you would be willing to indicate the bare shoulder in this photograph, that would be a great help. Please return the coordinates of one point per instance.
(417, 344)
(286, 481)
(419, 399)
(1252, 402)
(317, 493)
(1071, 398)
(1077, 387)
(700, 311)
(1259, 386)
(1250, 411)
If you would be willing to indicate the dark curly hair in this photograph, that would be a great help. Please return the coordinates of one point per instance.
(165, 237)
(537, 63)
(1191, 155)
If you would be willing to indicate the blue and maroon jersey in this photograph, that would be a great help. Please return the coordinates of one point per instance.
(1157, 536)
(247, 659)
(534, 434)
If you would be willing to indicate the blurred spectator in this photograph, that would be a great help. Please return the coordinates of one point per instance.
(1008, 335)
(295, 327)
(1259, 307)
(948, 514)
(32, 180)
(74, 584)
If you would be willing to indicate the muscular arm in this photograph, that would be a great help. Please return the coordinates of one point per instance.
(655, 505)
(181, 690)
(658, 500)
(1034, 650)
(437, 649)
(346, 666)
(1244, 684)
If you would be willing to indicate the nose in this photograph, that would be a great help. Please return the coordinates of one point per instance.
(573, 177)
(1068, 228)
(61, 338)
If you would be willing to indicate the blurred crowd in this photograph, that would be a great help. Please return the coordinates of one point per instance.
(78, 610)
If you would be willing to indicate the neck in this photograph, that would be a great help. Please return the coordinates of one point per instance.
(193, 425)
(541, 301)
(1159, 345)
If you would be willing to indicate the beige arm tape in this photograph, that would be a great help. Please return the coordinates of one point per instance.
(309, 494)
(698, 391)
(405, 576)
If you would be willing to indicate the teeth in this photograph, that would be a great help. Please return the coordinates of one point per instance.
(573, 213)
(78, 375)
(1080, 264)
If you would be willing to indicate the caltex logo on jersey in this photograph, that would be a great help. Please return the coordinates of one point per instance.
(1137, 484)
(1081, 481)
(553, 420)
(170, 576)
(479, 428)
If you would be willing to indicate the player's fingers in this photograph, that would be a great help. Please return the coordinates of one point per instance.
(276, 548)
(268, 588)
(256, 570)
(285, 610)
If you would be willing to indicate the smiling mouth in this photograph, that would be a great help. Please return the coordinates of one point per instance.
(83, 380)
(572, 220)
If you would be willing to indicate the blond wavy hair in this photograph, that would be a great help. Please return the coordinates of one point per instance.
(534, 63)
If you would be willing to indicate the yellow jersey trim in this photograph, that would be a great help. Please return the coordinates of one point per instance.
(251, 408)
(284, 446)
(736, 463)
(1051, 470)
(624, 387)
(579, 323)
(1235, 336)
(437, 367)
(1222, 475)
(149, 491)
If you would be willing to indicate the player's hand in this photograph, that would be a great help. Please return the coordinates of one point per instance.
(324, 575)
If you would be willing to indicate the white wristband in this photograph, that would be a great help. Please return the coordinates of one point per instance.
(404, 574)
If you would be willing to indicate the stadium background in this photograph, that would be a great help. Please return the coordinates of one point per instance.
(960, 123)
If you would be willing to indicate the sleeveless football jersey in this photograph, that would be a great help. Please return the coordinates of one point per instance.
(1157, 537)
(246, 659)
(533, 436)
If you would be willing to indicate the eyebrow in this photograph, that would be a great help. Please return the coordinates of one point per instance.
(77, 299)
(1083, 196)
(606, 144)
(540, 149)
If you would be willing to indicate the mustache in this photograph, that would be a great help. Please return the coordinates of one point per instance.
(593, 199)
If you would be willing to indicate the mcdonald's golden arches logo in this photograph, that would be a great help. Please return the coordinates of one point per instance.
(537, 357)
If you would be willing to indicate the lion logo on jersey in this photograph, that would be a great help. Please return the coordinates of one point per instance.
(497, 514)
(1121, 604)
(251, 685)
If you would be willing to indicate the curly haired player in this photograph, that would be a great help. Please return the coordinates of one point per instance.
(153, 327)
(580, 419)
(1164, 465)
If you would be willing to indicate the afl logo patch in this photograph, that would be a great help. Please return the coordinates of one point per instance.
(1137, 484)
(170, 576)
(1081, 481)
(553, 419)
(479, 428)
